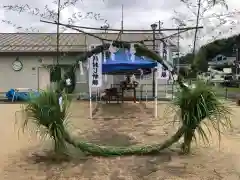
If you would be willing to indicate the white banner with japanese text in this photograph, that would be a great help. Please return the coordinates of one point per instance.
(162, 73)
(95, 71)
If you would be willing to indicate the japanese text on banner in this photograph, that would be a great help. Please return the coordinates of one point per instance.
(95, 71)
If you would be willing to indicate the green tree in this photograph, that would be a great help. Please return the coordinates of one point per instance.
(200, 61)
(208, 51)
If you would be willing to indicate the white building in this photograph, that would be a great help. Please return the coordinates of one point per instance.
(25, 58)
(220, 60)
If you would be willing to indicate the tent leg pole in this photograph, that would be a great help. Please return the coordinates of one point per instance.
(156, 99)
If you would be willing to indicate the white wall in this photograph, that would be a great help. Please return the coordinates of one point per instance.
(28, 76)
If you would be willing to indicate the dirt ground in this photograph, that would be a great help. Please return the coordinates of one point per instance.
(26, 157)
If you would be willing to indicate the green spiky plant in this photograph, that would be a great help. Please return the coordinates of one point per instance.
(195, 105)
(44, 111)
(201, 111)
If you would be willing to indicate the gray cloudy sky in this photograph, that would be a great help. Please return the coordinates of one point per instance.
(137, 14)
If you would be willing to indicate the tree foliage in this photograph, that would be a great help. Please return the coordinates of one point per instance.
(207, 52)
(48, 13)
(223, 46)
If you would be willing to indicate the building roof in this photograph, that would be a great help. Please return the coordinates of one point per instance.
(68, 42)
(23, 42)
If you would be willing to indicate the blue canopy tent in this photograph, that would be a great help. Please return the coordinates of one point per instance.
(123, 63)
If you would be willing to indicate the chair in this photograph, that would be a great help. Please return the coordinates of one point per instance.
(110, 93)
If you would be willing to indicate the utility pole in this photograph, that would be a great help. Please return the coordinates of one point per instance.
(122, 20)
(196, 30)
(154, 27)
(237, 62)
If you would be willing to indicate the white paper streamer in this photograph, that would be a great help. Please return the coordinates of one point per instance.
(159, 70)
(81, 67)
(167, 54)
(141, 72)
(160, 49)
(112, 49)
(60, 101)
(105, 60)
(132, 78)
(113, 56)
(175, 77)
(127, 53)
(68, 82)
(132, 51)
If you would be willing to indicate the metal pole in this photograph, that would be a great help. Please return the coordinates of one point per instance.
(154, 26)
(122, 20)
(237, 63)
(58, 20)
(159, 26)
(154, 43)
(156, 99)
(178, 46)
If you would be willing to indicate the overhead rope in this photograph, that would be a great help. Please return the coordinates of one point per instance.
(76, 28)
(125, 30)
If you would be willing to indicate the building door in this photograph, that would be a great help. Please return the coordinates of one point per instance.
(43, 78)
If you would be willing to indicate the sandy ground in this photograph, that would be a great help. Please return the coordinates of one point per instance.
(25, 156)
